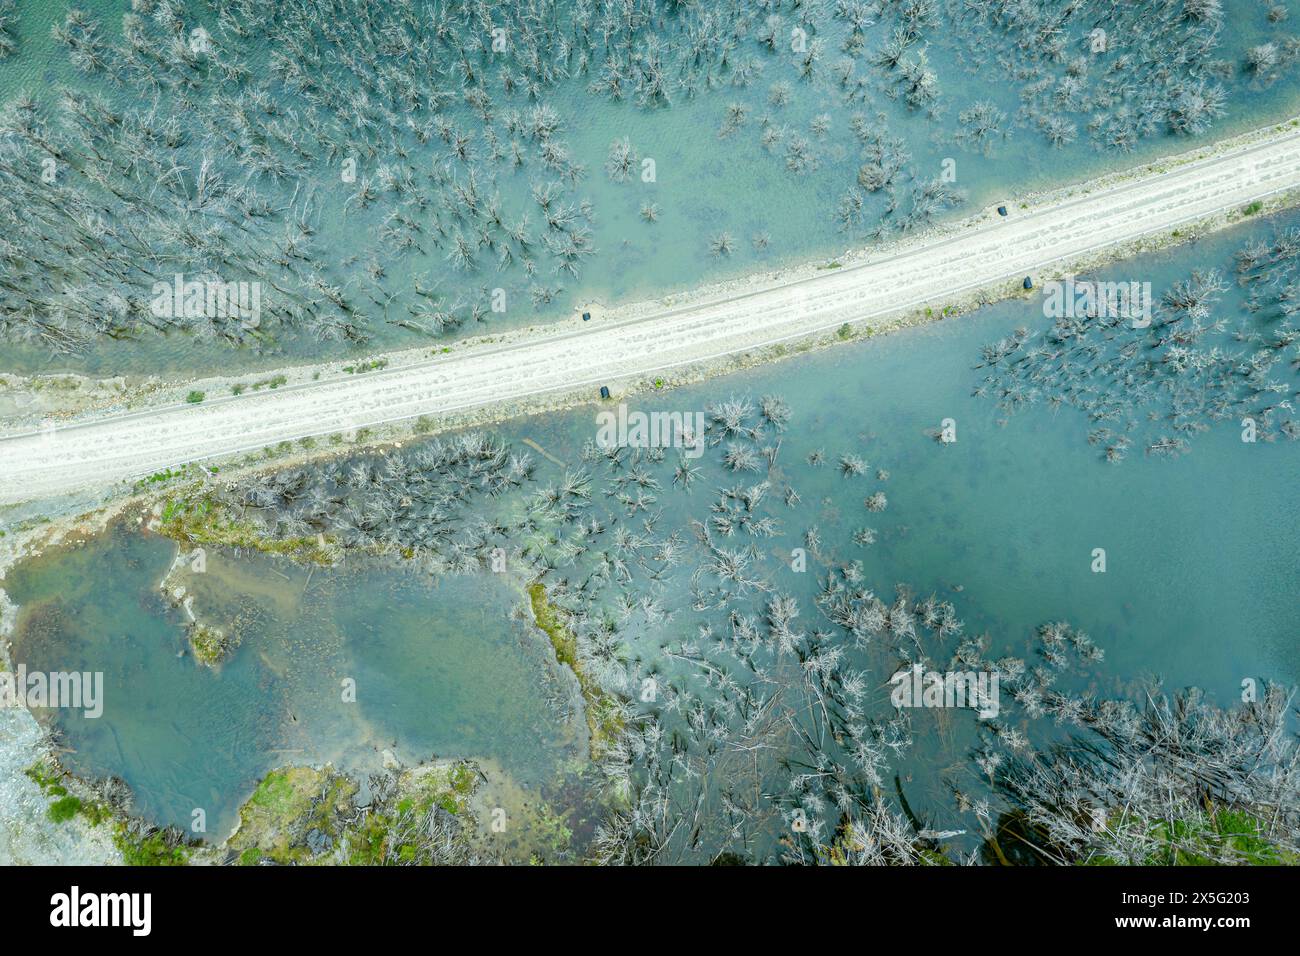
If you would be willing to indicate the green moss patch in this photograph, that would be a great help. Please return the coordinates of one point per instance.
(604, 711)
(146, 846)
(300, 815)
(293, 815)
(398, 830)
(1220, 834)
(64, 806)
(201, 520)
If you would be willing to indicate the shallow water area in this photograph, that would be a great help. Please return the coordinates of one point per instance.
(439, 668)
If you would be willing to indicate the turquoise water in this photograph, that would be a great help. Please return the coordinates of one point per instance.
(1011, 511)
(1198, 589)
(440, 669)
(751, 191)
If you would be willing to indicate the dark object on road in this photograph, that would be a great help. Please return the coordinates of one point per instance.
(604, 391)
(1029, 283)
(1002, 210)
(586, 316)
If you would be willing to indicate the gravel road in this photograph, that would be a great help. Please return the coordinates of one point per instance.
(981, 253)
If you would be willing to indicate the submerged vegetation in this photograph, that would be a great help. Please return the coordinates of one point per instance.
(251, 174)
(415, 503)
(1178, 782)
(1193, 364)
(732, 718)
